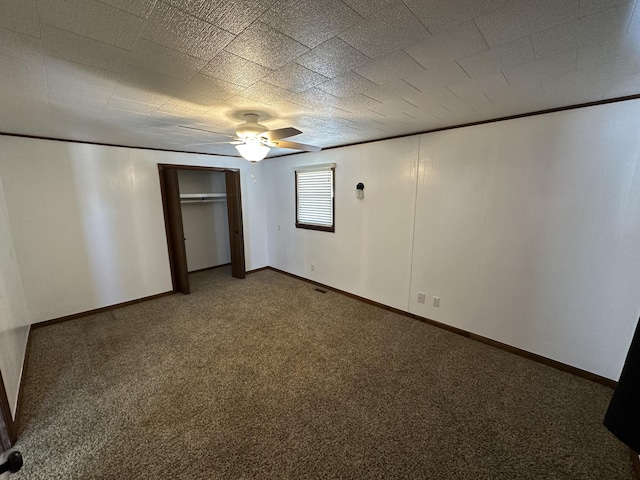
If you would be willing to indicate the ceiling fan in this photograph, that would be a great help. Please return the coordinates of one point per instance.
(253, 140)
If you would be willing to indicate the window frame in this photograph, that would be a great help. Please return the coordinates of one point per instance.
(310, 226)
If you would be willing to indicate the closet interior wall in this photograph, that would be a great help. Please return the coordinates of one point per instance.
(205, 219)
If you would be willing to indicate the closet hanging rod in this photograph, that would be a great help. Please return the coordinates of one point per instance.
(203, 195)
(204, 200)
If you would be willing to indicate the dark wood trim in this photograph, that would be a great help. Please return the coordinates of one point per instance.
(236, 225)
(321, 228)
(198, 167)
(66, 318)
(210, 268)
(172, 209)
(487, 341)
(25, 362)
(635, 461)
(256, 270)
(9, 426)
(170, 191)
(482, 122)
(7, 433)
(420, 132)
(115, 145)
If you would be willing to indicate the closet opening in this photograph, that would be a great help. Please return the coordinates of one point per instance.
(203, 220)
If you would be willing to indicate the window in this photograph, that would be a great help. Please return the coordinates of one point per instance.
(314, 197)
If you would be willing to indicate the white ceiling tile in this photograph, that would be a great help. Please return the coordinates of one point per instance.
(16, 44)
(92, 19)
(472, 87)
(310, 22)
(588, 7)
(355, 102)
(183, 109)
(139, 8)
(634, 24)
(233, 69)
(385, 32)
(460, 41)
(154, 85)
(535, 71)
(20, 16)
(216, 90)
(119, 103)
(395, 107)
(442, 75)
(368, 8)
(439, 15)
(70, 46)
(173, 28)
(266, 93)
(391, 90)
(525, 17)
(22, 77)
(32, 120)
(76, 79)
(624, 48)
(347, 84)
(314, 98)
(630, 86)
(265, 46)
(83, 102)
(505, 56)
(588, 30)
(161, 59)
(295, 78)
(82, 81)
(575, 79)
(432, 96)
(389, 68)
(332, 58)
(238, 103)
(200, 103)
(232, 16)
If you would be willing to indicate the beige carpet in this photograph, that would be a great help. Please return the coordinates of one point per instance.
(268, 378)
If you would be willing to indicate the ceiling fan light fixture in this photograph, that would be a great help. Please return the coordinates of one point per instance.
(253, 150)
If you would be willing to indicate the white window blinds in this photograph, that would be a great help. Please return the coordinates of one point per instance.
(314, 198)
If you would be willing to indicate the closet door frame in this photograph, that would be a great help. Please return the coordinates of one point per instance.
(170, 192)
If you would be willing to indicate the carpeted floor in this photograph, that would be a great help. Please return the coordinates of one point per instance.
(268, 378)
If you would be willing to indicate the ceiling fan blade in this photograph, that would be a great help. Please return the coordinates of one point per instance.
(207, 131)
(279, 133)
(296, 146)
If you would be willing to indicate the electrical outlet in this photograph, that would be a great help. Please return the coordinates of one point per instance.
(313, 267)
(421, 297)
(436, 301)
(278, 227)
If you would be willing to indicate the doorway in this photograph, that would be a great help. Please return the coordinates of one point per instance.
(170, 191)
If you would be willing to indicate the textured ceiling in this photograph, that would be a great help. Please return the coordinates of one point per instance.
(342, 71)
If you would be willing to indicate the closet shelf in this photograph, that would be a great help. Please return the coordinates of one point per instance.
(202, 197)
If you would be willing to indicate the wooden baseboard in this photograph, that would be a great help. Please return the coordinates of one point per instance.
(256, 270)
(66, 318)
(20, 403)
(10, 426)
(210, 268)
(487, 341)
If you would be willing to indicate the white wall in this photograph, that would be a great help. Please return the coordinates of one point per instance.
(528, 230)
(370, 252)
(14, 314)
(206, 225)
(88, 225)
